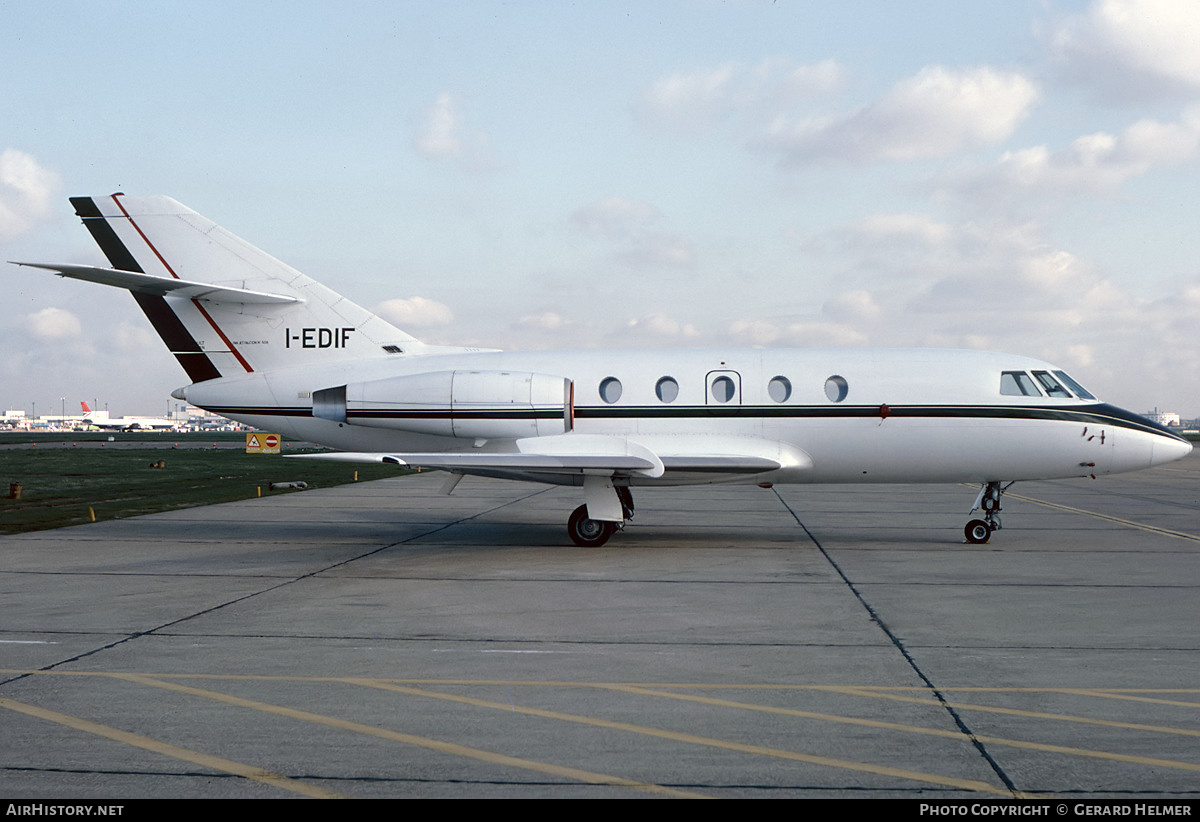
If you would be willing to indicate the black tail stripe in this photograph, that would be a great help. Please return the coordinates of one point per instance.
(118, 255)
(177, 338)
(174, 334)
(198, 367)
(85, 207)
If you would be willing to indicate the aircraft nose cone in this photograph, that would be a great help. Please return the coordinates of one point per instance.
(1170, 450)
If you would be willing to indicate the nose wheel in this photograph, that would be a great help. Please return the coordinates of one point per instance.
(979, 531)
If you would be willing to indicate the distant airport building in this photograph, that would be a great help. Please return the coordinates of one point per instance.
(1168, 418)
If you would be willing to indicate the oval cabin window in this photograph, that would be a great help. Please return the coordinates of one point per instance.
(667, 389)
(723, 389)
(836, 388)
(780, 389)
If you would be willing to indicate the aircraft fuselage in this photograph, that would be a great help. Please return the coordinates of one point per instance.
(859, 415)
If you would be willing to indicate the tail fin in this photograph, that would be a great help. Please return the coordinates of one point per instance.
(221, 305)
(86, 409)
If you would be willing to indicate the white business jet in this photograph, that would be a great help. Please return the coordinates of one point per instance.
(268, 346)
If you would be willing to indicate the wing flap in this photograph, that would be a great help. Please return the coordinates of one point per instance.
(721, 464)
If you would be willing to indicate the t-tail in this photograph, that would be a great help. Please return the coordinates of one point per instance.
(223, 307)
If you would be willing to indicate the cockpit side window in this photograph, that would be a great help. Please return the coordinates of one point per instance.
(1053, 389)
(1079, 390)
(1018, 384)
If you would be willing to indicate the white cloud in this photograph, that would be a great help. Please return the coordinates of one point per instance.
(53, 324)
(1131, 49)
(26, 193)
(545, 321)
(932, 114)
(690, 96)
(442, 137)
(415, 312)
(799, 334)
(1092, 163)
(659, 250)
(1005, 288)
(624, 224)
(659, 326)
(757, 332)
(904, 228)
(853, 306)
(704, 95)
(613, 217)
(130, 338)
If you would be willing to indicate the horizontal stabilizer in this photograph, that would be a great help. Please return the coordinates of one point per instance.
(164, 286)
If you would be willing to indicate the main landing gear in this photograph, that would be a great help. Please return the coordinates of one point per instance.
(592, 533)
(979, 531)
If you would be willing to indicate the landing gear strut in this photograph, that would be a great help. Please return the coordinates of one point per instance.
(592, 533)
(979, 531)
(626, 498)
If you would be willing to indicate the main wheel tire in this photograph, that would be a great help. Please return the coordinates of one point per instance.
(588, 533)
(977, 532)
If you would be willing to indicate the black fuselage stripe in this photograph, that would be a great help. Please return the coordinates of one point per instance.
(442, 414)
(1102, 414)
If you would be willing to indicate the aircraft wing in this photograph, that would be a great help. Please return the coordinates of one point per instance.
(589, 453)
(162, 286)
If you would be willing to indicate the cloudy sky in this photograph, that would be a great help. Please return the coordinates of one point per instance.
(1018, 175)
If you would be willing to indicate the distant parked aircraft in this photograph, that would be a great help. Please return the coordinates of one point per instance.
(100, 419)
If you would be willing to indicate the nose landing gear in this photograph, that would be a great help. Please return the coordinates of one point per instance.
(979, 531)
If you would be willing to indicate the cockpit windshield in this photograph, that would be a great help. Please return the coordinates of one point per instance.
(1018, 384)
(1079, 390)
(1053, 384)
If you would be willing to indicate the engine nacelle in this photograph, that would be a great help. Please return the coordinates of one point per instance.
(470, 404)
